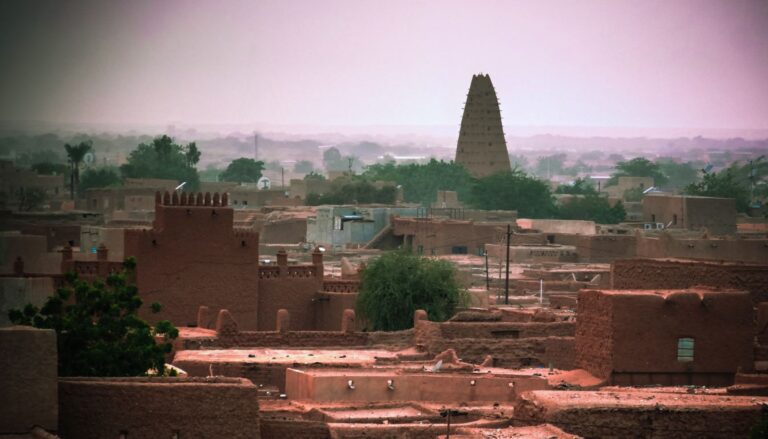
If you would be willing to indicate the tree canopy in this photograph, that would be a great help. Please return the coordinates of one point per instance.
(421, 182)
(333, 161)
(243, 170)
(49, 168)
(638, 167)
(99, 177)
(163, 158)
(30, 198)
(722, 184)
(580, 186)
(353, 190)
(98, 329)
(679, 175)
(76, 155)
(303, 167)
(592, 207)
(513, 191)
(550, 165)
(396, 284)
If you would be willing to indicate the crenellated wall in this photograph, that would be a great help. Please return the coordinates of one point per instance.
(193, 256)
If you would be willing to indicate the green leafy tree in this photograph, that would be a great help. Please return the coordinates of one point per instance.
(592, 207)
(243, 170)
(580, 186)
(163, 158)
(273, 166)
(76, 155)
(30, 198)
(210, 173)
(679, 175)
(550, 165)
(192, 154)
(638, 167)
(513, 191)
(722, 184)
(421, 182)
(50, 168)
(396, 284)
(314, 176)
(100, 177)
(98, 329)
(303, 167)
(518, 161)
(634, 194)
(753, 175)
(577, 168)
(333, 161)
(353, 190)
(30, 158)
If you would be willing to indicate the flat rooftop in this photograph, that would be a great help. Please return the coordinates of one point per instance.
(555, 400)
(286, 356)
(665, 293)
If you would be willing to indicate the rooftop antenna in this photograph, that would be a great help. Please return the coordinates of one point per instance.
(180, 186)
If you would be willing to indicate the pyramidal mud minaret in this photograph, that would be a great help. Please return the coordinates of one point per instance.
(482, 148)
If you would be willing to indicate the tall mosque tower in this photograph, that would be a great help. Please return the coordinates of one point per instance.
(482, 148)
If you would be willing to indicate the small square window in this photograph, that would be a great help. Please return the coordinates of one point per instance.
(685, 349)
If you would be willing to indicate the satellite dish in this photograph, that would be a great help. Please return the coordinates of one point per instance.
(264, 183)
(88, 158)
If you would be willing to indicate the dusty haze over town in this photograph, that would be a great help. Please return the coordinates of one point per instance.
(620, 68)
(383, 219)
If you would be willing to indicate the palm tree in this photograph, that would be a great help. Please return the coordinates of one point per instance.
(76, 154)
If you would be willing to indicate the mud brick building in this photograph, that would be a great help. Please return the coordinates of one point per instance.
(672, 337)
(193, 256)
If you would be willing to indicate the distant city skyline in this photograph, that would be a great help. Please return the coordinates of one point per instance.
(696, 67)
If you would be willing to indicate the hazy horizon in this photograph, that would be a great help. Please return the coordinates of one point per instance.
(634, 69)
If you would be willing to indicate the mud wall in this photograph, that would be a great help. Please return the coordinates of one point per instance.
(292, 230)
(605, 248)
(594, 334)
(606, 416)
(28, 373)
(293, 294)
(158, 407)
(294, 429)
(511, 344)
(194, 257)
(329, 308)
(637, 332)
(733, 250)
(667, 274)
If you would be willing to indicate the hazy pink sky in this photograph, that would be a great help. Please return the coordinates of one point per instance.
(671, 63)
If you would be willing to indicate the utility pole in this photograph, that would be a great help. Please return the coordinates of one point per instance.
(751, 181)
(506, 279)
(487, 280)
(349, 159)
